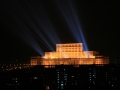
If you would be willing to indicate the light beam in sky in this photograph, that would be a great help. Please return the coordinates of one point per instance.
(71, 18)
(40, 27)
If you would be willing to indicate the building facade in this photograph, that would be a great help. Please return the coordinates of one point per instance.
(69, 54)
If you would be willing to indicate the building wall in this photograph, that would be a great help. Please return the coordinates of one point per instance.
(72, 50)
(33, 62)
(74, 47)
(68, 54)
(69, 61)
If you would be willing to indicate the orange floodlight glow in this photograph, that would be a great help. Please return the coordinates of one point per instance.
(70, 54)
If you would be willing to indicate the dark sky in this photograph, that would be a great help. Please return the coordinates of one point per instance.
(99, 22)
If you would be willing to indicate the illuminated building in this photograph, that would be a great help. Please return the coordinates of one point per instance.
(69, 54)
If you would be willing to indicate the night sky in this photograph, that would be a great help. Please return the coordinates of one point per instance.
(26, 24)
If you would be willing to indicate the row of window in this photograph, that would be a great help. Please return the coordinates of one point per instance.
(69, 45)
(68, 50)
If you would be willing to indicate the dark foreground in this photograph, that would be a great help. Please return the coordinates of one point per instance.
(62, 78)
